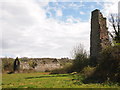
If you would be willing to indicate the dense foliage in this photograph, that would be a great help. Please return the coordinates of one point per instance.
(109, 66)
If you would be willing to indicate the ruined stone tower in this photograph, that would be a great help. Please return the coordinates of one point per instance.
(99, 34)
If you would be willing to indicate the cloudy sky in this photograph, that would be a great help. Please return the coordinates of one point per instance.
(33, 28)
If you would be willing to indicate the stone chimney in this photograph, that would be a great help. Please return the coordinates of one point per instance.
(99, 34)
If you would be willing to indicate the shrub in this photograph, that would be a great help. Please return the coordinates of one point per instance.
(7, 64)
(65, 69)
(80, 58)
(88, 71)
(109, 65)
(80, 62)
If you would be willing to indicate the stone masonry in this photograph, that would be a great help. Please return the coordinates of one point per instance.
(99, 38)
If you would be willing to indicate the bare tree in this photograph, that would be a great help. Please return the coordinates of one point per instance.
(78, 49)
(115, 24)
(80, 57)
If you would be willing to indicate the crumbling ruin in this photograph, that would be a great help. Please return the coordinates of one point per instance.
(16, 65)
(99, 38)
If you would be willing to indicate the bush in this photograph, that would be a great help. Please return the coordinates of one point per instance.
(88, 71)
(66, 69)
(80, 62)
(81, 59)
(7, 64)
(109, 65)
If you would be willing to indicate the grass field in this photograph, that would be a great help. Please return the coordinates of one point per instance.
(44, 80)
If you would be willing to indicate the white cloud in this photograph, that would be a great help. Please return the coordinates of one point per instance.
(71, 19)
(27, 32)
(110, 8)
(59, 12)
(82, 13)
(76, 6)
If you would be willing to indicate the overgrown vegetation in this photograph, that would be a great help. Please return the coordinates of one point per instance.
(79, 62)
(80, 58)
(109, 66)
(107, 70)
(7, 64)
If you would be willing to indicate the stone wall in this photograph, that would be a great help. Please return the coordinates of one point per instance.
(34, 64)
(99, 34)
(43, 64)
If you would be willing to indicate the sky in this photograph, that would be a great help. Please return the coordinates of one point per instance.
(49, 28)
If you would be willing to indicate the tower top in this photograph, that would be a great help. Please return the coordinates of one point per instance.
(96, 10)
(97, 14)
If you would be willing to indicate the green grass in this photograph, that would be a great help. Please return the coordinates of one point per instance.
(39, 80)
